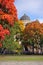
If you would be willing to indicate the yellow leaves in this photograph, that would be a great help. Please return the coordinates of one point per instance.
(21, 25)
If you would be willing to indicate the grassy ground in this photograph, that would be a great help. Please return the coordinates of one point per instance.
(21, 58)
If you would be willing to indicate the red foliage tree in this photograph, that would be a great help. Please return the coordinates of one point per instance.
(8, 13)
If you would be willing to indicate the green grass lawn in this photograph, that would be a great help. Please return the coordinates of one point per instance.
(21, 58)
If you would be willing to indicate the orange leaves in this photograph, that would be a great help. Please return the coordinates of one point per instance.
(4, 2)
(3, 32)
(0, 1)
(8, 11)
(1, 28)
(12, 10)
(9, 18)
(7, 32)
(1, 12)
(34, 27)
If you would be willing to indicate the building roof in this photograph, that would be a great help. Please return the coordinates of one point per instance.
(25, 17)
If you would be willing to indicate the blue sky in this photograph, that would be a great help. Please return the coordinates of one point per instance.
(33, 8)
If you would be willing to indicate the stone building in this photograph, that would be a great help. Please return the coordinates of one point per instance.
(25, 19)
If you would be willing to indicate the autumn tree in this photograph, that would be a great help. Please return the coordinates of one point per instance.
(21, 24)
(33, 33)
(8, 16)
